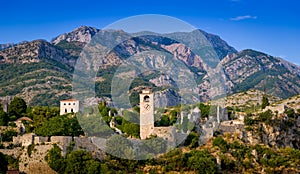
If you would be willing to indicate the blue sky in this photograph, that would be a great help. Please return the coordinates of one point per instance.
(272, 27)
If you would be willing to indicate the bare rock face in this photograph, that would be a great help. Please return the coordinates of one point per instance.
(277, 136)
(282, 136)
(82, 34)
(165, 98)
(163, 80)
(185, 54)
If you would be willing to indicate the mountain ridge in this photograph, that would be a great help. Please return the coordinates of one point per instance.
(246, 69)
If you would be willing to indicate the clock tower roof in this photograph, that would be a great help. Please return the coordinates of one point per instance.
(147, 91)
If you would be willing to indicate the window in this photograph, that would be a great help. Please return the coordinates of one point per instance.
(73, 103)
(64, 103)
(146, 98)
(71, 109)
(66, 111)
(69, 103)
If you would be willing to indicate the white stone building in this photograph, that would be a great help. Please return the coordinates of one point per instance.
(69, 106)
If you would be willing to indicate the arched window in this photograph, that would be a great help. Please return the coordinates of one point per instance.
(66, 110)
(146, 98)
(72, 110)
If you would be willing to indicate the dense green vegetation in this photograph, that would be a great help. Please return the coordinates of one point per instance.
(7, 162)
(15, 77)
(80, 161)
(77, 161)
(3, 163)
(7, 136)
(61, 125)
(17, 108)
(46, 121)
(64, 45)
(235, 157)
(238, 157)
(3, 117)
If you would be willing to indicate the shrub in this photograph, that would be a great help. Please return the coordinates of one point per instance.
(8, 135)
(30, 148)
(202, 162)
(221, 143)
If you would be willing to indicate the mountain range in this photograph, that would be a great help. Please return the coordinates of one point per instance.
(41, 72)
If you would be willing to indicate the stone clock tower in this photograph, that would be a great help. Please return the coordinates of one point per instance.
(146, 113)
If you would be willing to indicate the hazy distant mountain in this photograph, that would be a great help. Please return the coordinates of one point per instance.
(3, 46)
(41, 72)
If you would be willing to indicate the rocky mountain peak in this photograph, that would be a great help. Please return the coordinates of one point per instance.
(82, 34)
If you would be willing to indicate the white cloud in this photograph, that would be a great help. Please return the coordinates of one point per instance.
(239, 18)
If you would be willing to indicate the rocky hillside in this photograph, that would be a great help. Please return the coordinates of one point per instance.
(277, 125)
(251, 69)
(39, 69)
(35, 71)
(248, 99)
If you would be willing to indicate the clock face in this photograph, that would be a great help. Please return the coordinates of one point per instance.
(147, 107)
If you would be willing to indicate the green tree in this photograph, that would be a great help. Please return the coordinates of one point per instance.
(60, 126)
(16, 108)
(290, 113)
(202, 162)
(93, 167)
(185, 123)
(119, 146)
(173, 117)
(221, 143)
(3, 163)
(8, 135)
(156, 145)
(164, 121)
(192, 140)
(205, 109)
(131, 129)
(76, 162)
(79, 162)
(248, 121)
(265, 102)
(3, 117)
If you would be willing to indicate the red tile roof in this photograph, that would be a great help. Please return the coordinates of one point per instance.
(12, 172)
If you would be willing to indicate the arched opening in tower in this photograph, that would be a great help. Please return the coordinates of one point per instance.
(146, 98)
